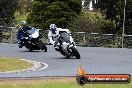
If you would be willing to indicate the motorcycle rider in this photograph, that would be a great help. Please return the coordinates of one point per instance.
(22, 29)
(54, 34)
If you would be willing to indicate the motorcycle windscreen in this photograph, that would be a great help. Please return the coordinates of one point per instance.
(65, 37)
(33, 33)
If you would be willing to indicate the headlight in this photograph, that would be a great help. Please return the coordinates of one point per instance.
(26, 37)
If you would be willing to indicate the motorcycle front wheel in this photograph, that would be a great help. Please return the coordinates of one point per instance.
(31, 48)
(75, 52)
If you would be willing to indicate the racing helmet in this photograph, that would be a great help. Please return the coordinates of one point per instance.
(23, 23)
(53, 28)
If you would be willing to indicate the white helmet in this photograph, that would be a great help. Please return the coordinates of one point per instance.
(53, 28)
(23, 23)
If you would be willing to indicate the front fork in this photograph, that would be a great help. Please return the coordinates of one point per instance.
(69, 51)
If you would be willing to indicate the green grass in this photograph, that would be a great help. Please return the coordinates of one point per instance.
(57, 84)
(9, 64)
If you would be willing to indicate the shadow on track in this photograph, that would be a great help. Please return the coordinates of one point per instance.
(65, 58)
(30, 51)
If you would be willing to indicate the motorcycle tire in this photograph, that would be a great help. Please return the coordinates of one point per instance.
(41, 45)
(27, 46)
(31, 48)
(62, 52)
(75, 52)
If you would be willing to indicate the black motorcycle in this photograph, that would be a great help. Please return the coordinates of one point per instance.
(31, 40)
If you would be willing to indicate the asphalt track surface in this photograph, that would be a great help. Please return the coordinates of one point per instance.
(95, 60)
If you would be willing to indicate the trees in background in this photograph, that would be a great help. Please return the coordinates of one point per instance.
(7, 10)
(114, 11)
(24, 6)
(128, 24)
(60, 12)
(66, 14)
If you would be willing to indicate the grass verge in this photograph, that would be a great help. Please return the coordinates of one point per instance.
(56, 83)
(10, 64)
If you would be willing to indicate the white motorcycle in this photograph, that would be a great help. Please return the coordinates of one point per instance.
(67, 47)
(31, 40)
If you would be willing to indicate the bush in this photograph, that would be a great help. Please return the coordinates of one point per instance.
(89, 21)
(60, 12)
